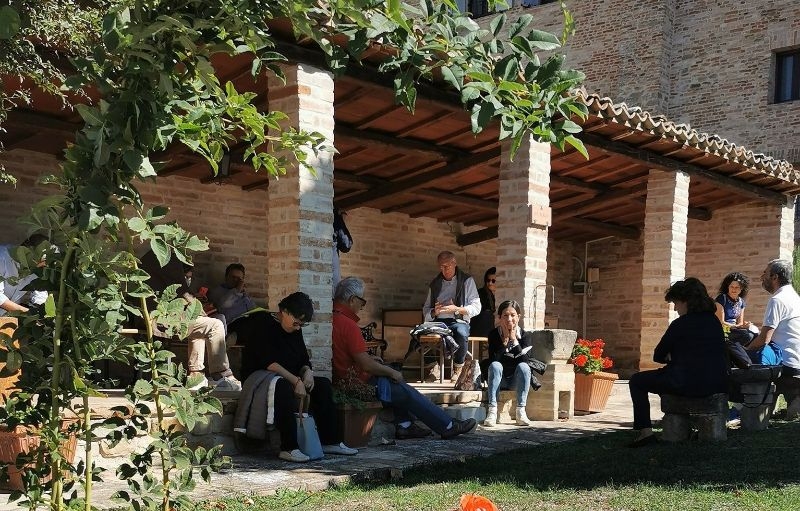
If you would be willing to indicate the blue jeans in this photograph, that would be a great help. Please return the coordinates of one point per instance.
(408, 403)
(521, 382)
(461, 335)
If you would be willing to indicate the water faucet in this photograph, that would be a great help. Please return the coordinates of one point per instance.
(536, 292)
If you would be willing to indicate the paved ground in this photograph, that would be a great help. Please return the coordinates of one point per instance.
(266, 474)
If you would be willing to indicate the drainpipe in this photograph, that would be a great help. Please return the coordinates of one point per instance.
(586, 276)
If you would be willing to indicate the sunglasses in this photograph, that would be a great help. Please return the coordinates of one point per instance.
(492, 280)
(363, 302)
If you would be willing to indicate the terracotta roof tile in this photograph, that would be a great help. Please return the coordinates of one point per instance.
(637, 118)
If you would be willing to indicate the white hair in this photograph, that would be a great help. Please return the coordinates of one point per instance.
(349, 287)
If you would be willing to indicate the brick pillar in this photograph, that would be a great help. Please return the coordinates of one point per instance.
(664, 257)
(301, 208)
(524, 215)
(522, 246)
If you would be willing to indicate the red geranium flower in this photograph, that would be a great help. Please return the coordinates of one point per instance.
(587, 356)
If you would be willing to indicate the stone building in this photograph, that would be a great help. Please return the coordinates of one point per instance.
(657, 200)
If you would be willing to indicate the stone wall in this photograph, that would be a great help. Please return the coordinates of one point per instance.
(232, 220)
(660, 55)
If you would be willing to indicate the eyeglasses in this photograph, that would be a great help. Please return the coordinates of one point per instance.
(363, 302)
(491, 280)
(297, 324)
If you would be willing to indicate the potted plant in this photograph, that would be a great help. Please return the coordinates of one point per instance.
(592, 385)
(357, 408)
(20, 437)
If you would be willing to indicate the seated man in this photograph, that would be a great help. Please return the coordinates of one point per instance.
(350, 352)
(244, 319)
(781, 320)
(13, 296)
(204, 333)
(453, 299)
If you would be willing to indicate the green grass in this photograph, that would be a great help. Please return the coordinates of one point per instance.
(751, 471)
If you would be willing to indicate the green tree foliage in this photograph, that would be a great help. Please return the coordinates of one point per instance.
(149, 64)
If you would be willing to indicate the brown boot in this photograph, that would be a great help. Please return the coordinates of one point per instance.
(456, 372)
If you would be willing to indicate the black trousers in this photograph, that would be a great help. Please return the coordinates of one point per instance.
(249, 328)
(322, 409)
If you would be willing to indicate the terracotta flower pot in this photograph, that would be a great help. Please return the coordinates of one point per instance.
(593, 390)
(22, 440)
(8, 382)
(357, 424)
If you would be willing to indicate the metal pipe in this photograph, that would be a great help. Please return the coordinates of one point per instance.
(586, 276)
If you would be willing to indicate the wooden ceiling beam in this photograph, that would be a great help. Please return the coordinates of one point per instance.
(39, 123)
(366, 123)
(421, 180)
(603, 228)
(424, 123)
(656, 160)
(449, 198)
(603, 201)
(345, 130)
(474, 237)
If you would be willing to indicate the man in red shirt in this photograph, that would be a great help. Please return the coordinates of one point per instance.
(350, 351)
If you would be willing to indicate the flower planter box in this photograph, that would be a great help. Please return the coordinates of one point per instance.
(22, 440)
(593, 390)
(357, 423)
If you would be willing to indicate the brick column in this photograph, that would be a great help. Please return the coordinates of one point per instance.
(300, 213)
(664, 257)
(522, 246)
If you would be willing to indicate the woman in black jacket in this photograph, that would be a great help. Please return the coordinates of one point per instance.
(508, 362)
(693, 349)
(282, 355)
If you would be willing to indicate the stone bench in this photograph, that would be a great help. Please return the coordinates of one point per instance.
(705, 414)
(755, 390)
(789, 386)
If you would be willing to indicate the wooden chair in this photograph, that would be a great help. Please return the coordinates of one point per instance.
(373, 344)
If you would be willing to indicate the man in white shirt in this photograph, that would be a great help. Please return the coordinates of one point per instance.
(13, 295)
(782, 328)
(453, 299)
(782, 315)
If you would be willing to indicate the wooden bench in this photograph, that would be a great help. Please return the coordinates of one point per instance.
(705, 414)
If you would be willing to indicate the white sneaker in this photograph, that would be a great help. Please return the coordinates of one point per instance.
(522, 418)
(491, 417)
(339, 449)
(196, 382)
(227, 383)
(295, 456)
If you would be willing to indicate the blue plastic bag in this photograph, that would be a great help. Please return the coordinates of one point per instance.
(307, 435)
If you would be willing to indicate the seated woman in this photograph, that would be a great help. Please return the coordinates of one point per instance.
(730, 304)
(282, 355)
(508, 362)
(693, 349)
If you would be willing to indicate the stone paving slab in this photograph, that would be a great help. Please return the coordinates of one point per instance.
(265, 474)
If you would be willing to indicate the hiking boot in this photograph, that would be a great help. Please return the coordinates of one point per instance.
(522, 417)
(459, 428)
(491, 417)
(457, 368)
(433, 373)
(413, 431)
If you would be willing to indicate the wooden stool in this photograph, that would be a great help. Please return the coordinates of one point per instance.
(706, 414)
(426, 344)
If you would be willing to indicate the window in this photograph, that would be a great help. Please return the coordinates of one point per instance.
(787, 76)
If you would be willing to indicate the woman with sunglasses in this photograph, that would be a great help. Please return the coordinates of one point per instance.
(483, 323)
(282, 359)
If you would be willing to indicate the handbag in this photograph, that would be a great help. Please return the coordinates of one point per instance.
(466, 380)
(307, 435)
